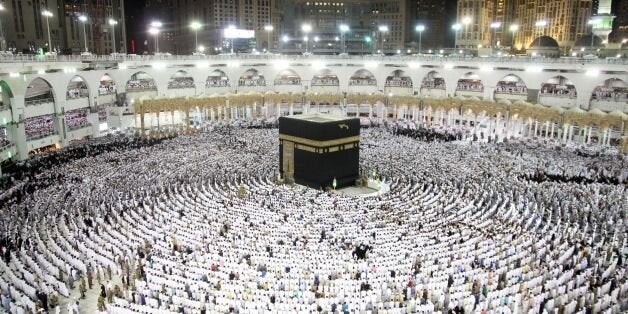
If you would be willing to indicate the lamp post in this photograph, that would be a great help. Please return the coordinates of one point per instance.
(420, 28)
(382, 29)
(495, 26)
(48, 14)
(83, 20)
(269, 29)
(343, 29)
(113, 24)
(592, 22)
(456, 27)
(285, 39)
(2, 40)
(466, 21)
(513, 29)
(195, 26)
(306, 29)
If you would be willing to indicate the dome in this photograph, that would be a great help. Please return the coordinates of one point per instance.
(544, 42)
(585, 41)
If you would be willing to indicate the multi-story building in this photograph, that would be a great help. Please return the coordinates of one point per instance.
(433, 14)
(364, 19)
(25, 28)
(620, 26)
(98, 30)
(215, 16)
(565, 21)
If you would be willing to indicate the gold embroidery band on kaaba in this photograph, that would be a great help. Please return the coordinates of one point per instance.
(319, 144)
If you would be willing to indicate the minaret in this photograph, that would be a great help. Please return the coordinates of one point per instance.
(602, 20)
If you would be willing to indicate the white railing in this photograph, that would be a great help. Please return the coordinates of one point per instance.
(227, 57)
(36, 136)
(79, 126)
(38, 101)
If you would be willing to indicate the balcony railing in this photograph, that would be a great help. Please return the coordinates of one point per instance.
(4, 145)
(227, 57)
(79, 126)
(38, 101)
(39, 135)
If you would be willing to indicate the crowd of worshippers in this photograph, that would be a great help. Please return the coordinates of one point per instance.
(555, 90)
(431, 134)
(4, 138)
(611, 94)
(37, 127)
(470, 85)
(435, 83)
(106, 88)
(143, 84)
(197, 223)
(181, 82)
(75, 119)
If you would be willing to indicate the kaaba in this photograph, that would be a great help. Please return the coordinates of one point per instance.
(315, 149)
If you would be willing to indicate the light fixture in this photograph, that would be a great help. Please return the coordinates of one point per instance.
(496, 24)
(456, 27)
(383, 28)
(344, 28)
(514, 27)
(541, 23)
(306, 28)
(285, 38)
(269, 28)
(466, 20)
(419, 28)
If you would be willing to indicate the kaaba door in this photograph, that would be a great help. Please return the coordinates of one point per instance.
(288, 160)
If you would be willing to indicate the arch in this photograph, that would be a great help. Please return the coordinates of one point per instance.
(217, 78)
(399, 78)
(77, 88)
(362, 77)
(251, 77)
(38, 91)
(181, 79)
(287, 77)
(7, 94)
(470, 82)
(511, 86)
(5, 88)
(141, 81)
(433, 84)
(612, 89)
(558, 91)
(325, 77)
(107, 85)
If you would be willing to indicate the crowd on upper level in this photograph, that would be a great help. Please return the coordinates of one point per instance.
(470, 85)
(556, 90)
(181, 82)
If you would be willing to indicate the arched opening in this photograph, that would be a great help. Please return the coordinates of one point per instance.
(287, 77)
(470, 84)
(611, 95)
(362, 78)
(559, 92)
(433, 85)
(181, 79)
(77, 88)
(251, 78)
(39, 91)
(7, 94)
(399, 78)
(141, 82)
(325, 78)
(398, 83)
(511, 87)
(217, 78)
(107, 85)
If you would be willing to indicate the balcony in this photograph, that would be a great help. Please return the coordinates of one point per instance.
(39, 107)
(76, 103)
